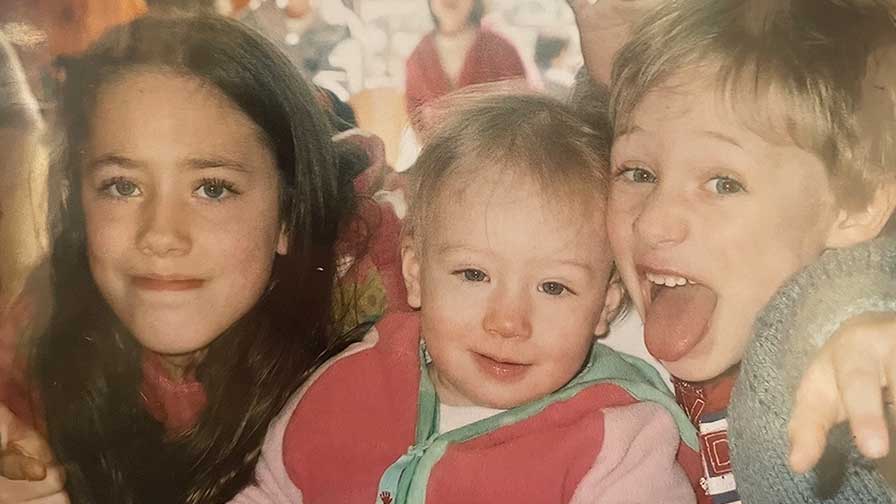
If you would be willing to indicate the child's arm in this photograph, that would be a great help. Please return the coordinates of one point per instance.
(27, 472)
(821, 350)
(852, 378)
(637, 462)
(604, 26)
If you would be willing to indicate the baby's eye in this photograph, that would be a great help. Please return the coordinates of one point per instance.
(725, 185)
(472, 275)
(638, 175)
(120, 187)
(215, 189)
(553, 288)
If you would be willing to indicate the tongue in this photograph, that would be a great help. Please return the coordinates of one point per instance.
(676, 320)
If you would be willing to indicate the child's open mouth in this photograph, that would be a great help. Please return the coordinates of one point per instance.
(678, 311)
(500, 369)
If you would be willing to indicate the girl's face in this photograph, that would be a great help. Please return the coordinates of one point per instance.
(453, 15)
(180, 196)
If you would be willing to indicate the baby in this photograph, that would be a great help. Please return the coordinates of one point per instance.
(495, 382)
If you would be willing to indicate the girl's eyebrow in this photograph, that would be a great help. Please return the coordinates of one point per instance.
(630, 130)
(113, 159)
(121, 161)
(217, 162)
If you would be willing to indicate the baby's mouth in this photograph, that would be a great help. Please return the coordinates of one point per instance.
(678, 311)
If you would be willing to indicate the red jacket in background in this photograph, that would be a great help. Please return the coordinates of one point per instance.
(491, 58)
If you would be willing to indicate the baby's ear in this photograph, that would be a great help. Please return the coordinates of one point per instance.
(612, 305)
(856, 226)
(410, 269)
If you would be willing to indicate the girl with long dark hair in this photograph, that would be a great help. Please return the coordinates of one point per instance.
(193, 266)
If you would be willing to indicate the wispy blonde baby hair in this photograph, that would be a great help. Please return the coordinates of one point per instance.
(522, 134)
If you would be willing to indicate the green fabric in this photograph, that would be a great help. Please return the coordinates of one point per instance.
(406, 480)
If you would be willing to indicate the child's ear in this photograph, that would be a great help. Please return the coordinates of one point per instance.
(612, 305)
(410, 269)
(856, 226)
(283, 241)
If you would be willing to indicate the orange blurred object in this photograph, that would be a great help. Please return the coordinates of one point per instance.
(72, 25)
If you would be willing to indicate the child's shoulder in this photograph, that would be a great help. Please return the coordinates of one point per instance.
(636, 381)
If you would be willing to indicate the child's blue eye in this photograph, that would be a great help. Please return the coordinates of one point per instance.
(725, 185)
(120, 187)
(638, 175)
(472, 275)
(214, 189)
(553, 288)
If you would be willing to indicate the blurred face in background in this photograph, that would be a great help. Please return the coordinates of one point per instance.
(453, 15)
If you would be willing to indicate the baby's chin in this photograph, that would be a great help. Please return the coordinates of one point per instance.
(509, 402)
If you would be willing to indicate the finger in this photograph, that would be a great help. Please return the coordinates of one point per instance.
(860, 391)
(16, 466)
(31, 443)
(816, 409)
(23, 491)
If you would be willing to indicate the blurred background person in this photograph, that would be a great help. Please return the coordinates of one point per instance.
(457, 53)
(319, 39)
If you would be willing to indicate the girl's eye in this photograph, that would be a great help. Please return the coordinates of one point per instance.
(472, 275)
(553, 288)
(638, 175)
(214, 189)
(725, 185)
(120, 187)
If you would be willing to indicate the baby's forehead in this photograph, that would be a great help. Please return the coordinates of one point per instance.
(494, 182)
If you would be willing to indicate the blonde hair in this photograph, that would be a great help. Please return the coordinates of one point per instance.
(23, 179)
(807, 71)
(485, 128)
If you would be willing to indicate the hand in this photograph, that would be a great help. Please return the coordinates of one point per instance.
(852, 378)
(27, 470)
(604, 26)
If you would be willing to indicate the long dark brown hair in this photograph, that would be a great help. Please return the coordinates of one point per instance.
(88, 366)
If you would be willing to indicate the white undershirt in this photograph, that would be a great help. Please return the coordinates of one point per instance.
(455, 417)
(453, 52)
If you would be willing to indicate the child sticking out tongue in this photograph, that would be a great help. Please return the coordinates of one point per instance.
(677, 319)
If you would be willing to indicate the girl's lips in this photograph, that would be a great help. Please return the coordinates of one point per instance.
(505, 371)
(167, 284)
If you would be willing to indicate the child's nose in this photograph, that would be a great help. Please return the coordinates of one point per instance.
(661, 221)
(163, 228)
(508, 314)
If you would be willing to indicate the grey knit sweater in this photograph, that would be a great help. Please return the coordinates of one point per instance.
(795, 323)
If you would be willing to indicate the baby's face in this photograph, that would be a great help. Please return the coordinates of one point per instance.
(511, 285)
(707, 219)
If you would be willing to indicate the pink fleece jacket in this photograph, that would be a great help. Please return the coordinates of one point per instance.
(358, 415)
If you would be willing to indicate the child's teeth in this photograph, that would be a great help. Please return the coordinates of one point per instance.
(668, 280)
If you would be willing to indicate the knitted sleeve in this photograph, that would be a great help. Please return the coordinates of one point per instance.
(794, 324)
